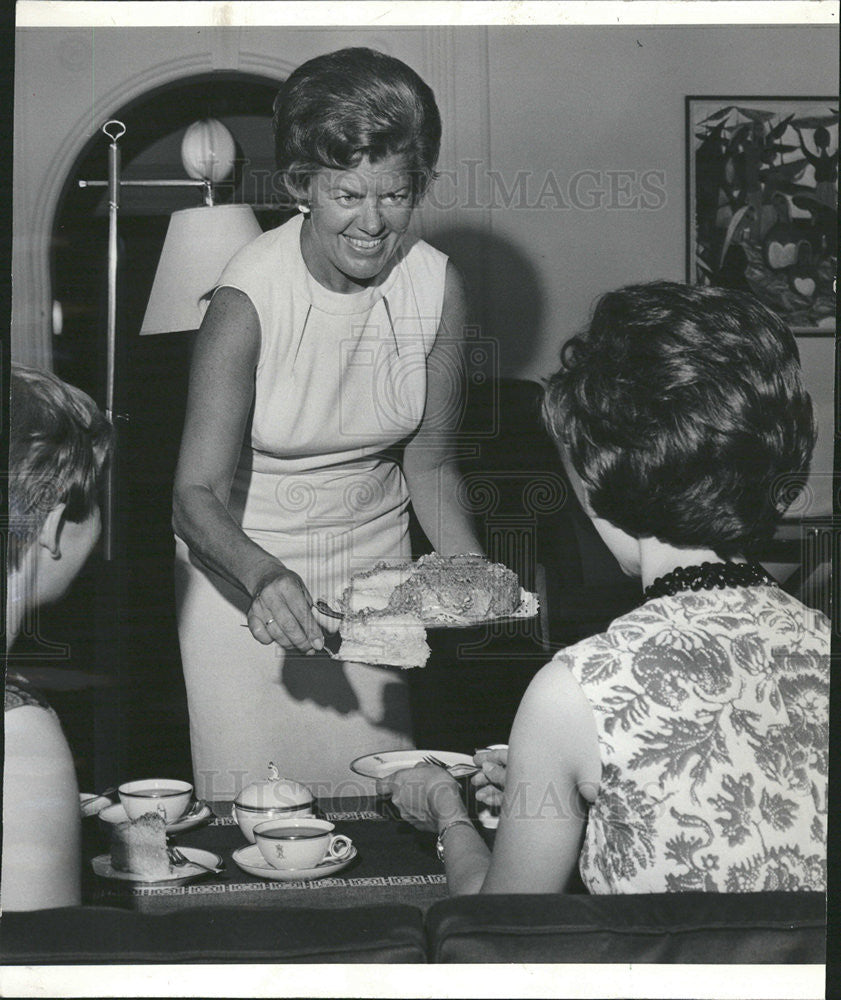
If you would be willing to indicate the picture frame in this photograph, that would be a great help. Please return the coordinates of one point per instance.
(762, 202)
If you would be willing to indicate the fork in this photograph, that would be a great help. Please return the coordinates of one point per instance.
(464, 769)
(179, 860)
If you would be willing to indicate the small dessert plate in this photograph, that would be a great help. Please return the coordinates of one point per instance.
(381, 765)
(252, 861)
(116, 814)
(203, 860)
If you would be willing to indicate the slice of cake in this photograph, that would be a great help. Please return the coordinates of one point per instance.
(384, 639)
(139, 846)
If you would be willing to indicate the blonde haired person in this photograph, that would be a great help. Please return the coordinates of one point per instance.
(58, 444)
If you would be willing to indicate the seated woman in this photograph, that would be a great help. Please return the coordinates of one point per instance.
(684, 749)
(58, 444)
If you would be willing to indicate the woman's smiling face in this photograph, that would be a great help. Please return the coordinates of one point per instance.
(357, 220)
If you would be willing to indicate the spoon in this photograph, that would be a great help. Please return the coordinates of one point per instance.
(98, 795)
(194, 810)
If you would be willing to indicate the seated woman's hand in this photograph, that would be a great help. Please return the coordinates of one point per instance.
(489, 782)
(425, 795)
(281, 612)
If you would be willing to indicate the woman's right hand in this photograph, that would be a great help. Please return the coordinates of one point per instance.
(490, 781)
(281, 612)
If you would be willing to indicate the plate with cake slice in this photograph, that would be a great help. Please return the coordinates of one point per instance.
(139, 854)
(103, 865)
(388, 609)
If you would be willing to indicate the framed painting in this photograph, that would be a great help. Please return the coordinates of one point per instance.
(762, 202)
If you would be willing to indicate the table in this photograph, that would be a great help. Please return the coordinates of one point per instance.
(395, 864)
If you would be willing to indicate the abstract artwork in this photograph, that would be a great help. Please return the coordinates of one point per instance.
(762, 202)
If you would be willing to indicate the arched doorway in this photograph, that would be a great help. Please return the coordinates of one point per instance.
(150, 150)
(119, 622)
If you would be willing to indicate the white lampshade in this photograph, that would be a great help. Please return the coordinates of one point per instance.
(199, 243)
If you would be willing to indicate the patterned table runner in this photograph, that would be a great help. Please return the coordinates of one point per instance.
(395, 864)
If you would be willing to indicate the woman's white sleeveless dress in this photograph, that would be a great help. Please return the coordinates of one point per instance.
(340, 378)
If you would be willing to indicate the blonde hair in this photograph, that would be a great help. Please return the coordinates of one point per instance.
(58, 443)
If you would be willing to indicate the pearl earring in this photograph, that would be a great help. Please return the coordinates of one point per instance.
(303, 209)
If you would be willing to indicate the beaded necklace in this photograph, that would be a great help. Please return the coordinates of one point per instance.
(708, 576)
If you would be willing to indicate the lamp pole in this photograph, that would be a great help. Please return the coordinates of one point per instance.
(115, 130)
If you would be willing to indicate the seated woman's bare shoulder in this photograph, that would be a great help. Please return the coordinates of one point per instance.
(41, 822)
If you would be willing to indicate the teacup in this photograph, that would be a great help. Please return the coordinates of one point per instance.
(300, 843)
(167, 796)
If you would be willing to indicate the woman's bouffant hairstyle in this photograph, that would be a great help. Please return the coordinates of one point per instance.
(683, 411)
(58, 443)
(355, 102)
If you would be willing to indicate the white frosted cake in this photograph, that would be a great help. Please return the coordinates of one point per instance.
(387, 608)
(436, 589)
(139, 846)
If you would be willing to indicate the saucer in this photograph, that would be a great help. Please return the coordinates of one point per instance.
(103, 867)
(252, 861)
(92, 804)
(384, 763)
(117, 814)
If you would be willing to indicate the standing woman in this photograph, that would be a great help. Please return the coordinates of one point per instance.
(328, 340)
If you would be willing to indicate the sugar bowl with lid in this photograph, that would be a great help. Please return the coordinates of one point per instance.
(273, 798)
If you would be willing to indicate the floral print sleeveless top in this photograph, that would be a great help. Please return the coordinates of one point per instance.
(712, 709)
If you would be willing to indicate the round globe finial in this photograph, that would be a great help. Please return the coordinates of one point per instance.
(208, 151)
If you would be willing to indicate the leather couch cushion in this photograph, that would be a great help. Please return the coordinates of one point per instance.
(770, 927)
(91, 934)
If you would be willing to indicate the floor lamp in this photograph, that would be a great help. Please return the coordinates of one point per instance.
(199, 243)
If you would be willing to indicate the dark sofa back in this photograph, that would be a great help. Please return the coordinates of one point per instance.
(101, 934)
(755, 928)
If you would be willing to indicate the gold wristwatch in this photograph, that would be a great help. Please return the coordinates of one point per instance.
(439, 843)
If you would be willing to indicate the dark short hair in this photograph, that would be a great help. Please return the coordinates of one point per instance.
(337, 108)
(683, 411)
(58, 443)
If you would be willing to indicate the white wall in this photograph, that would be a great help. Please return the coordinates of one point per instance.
(574, 99)
(584, 98)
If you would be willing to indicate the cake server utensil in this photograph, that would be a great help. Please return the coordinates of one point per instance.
(322, 606)
(332, 640)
